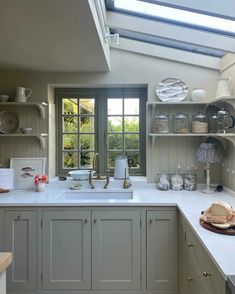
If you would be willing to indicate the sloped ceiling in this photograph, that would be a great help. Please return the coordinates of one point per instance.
(49, 35)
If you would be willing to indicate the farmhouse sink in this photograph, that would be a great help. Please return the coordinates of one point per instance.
(97, 194)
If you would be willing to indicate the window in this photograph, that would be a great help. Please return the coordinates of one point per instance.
(108, 121)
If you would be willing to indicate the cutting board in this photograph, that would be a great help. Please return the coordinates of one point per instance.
(229, 231)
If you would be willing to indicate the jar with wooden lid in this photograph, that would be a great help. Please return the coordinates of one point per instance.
(160, 123)
(199, 123)
(180, 123)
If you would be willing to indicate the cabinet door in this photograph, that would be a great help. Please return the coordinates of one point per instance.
(66, 250)
(116, 250)
(162, 250)
(1, 230)
(21, 240)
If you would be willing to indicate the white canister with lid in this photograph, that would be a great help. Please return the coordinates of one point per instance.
(198, 94)
(121, 168)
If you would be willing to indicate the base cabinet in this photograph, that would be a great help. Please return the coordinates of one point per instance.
(21, 239)
(162, 250)
(198, 273)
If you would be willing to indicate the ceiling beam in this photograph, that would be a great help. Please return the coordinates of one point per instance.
(170, 31)
(168, 53)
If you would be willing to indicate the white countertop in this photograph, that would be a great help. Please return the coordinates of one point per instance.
(219, 247)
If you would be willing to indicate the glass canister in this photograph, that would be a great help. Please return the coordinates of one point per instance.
(213, 124)
(177, 182)
(200, 123)
(160, 123)
(190, 181)
(180, 124)
(163, 182)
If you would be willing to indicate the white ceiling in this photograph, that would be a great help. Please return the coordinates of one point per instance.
(49, 35)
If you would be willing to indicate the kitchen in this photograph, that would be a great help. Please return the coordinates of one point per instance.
(130, 63)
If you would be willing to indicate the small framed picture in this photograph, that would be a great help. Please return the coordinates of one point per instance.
(25, 169)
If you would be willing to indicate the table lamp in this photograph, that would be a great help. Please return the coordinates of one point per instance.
(208, 153)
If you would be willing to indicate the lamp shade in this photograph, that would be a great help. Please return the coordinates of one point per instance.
(207, 152)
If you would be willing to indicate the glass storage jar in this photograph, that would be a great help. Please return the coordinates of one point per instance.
(160, 123)
(163, 182)
(177, 182)
(180, 124)
(200, 123)
(213, 124)
(190, 181)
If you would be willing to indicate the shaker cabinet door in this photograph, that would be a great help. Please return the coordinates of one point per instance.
(116, 250)
(66, 250)
(162, 250)
(21, 240)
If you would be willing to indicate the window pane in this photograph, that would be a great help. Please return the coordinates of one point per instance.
(70, 160)
(131, 141)
(131, 106)
(134, 157)
(70, 106)
(70, 142)
(111, 158)
(115, 142)
(86, 159)
(131, 124)
(114, 106)
(115, 124)
(87, 142)
(87, 106)
(70, 124)
(87, 124)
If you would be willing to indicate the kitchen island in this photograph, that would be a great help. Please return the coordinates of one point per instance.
(52, 209)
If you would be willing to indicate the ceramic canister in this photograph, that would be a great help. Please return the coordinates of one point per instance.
(121, 167)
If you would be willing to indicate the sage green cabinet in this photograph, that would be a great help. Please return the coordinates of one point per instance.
(66, 250)
(198, 273)
(1, 230)
(21, 240)
(116, 250)
(162, 250)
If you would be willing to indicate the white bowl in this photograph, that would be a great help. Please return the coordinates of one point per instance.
(26, 130)
(80, 175)
(4, 98)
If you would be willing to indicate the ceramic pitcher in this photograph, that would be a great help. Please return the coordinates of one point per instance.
(223, 87)
(22, 94)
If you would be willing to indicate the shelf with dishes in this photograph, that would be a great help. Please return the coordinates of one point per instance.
(41, 137)
(41, 106)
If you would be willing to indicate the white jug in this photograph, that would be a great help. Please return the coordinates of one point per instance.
(223, 87)
(121, 168)
(21, 95)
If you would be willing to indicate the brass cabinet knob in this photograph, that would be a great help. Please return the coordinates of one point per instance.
(19, 216)
(86, 220)
(206, 274)
(190, 244)
(190, 279)
(150, 220)
(95, 220)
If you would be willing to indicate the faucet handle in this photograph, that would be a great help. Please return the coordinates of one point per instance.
(107, 179)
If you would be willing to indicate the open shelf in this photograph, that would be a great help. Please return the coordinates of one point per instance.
(228, 136)
(41, 137)
(39, 105)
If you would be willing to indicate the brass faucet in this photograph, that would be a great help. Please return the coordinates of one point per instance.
(90, 180)
(96, 167)
(107, 180)
(126, 183)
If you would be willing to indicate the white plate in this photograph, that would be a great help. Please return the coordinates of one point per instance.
(172, 90)
(9, 122)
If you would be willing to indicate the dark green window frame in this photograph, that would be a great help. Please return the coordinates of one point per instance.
(101, 96)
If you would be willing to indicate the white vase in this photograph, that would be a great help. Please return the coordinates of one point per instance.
(223, 87)
(40, 187)
(198, 94)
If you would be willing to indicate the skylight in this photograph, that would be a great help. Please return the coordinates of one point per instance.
(176, 15)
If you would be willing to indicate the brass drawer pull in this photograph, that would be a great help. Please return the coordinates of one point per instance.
(190, 279)
(95, 220)
(86, 220)
(190, 244)
(150, 220)
(206, 274)
(19, 216)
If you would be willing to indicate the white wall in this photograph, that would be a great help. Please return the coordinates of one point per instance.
(126, 69)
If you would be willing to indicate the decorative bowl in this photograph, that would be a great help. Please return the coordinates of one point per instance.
(4, 98)
(80, 175)
(26, 130)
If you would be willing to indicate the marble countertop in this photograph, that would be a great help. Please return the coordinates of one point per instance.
(190, 204)
(5, 260)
